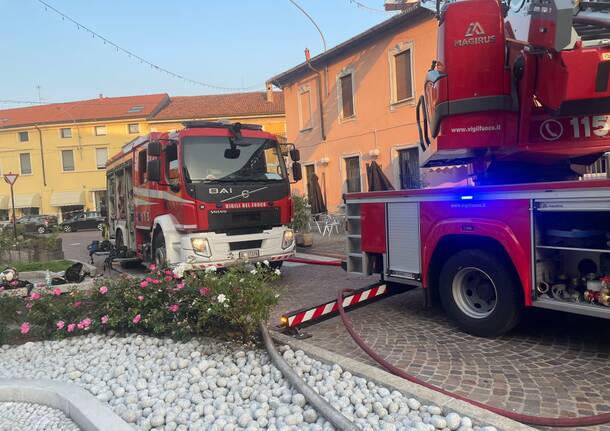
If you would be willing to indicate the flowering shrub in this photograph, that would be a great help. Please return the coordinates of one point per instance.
(165, 303)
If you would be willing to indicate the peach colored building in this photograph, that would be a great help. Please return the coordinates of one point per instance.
(369, 89)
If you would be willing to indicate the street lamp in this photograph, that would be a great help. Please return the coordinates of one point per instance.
(10, 178)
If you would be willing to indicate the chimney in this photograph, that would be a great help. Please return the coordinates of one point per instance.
(269, 92)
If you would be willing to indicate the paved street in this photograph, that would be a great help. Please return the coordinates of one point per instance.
(551, 364)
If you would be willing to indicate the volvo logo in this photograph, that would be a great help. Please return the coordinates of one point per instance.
(551, 130)
(245, 194)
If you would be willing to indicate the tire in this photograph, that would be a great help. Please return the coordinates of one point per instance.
(41, 229)
(159, 251)
(100, 227)
(68, 228)
(481, 293)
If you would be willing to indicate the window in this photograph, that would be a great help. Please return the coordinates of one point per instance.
(347, 96)
(101, 157)
(172, 167)
(408, 164)
(67, 160)
(142, 160)
(24, 136)
(305, 109)
(25, 163)
(65, 132)
(402, 76)
(352, 174)
(100, 131)
(133, 128)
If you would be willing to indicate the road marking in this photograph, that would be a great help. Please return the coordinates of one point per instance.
(76, 243)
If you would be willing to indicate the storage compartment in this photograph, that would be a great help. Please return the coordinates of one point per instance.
(572, 267)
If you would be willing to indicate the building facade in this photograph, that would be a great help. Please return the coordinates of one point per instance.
(60, 150)
(356, 103)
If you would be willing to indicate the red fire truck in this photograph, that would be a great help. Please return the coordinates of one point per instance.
(520, 93)
(212, 193)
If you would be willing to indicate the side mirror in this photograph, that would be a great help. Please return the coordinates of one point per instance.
(154, 148)
(232, 153)
(153, 170)
(297, 172)
(295, 155)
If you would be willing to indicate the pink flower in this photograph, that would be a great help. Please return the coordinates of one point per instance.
(104, 319)
(137, 319)
(140, 298)
(60, 325)
(77, 304)
(155, 281)
(24, 328)
(86, 322)
(80, 325)
(144, 283)
(29, 305)
(103, 290)
(168, 278)
(152, 266)
(57, 291)
(71, 327)
(14, 283)
(179, 286)
(204, 291)
(174, 308)
(35, 296)
(149, 279)
(168, 272)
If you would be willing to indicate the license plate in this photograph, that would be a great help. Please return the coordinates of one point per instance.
(248, 254)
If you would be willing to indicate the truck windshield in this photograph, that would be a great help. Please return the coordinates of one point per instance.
(257, 159)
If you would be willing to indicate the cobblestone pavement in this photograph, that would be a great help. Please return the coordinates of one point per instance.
(552, 364)
(333, 245)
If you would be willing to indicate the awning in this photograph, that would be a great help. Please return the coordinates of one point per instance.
(66, 199)
(4, 202)
(27, 200)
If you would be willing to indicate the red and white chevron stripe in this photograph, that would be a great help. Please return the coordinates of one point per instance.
(299, 317)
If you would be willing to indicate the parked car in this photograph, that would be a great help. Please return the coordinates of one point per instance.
(4, 224)
(82, 221)
(37, 223)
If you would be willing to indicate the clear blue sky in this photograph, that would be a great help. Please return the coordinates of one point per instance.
(232, 44)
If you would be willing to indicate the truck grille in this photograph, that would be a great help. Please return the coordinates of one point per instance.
(244, 220)
(245, 245)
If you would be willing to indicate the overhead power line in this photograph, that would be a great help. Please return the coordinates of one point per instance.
(142, 60)
(310, 19)
(363, 6)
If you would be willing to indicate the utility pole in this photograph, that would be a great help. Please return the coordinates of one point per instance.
(10, 178)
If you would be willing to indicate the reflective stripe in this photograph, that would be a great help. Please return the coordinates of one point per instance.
(158, 194)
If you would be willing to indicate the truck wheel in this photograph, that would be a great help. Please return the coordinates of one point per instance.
(480, 292)
(159, 252)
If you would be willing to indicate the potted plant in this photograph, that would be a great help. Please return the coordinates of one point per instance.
(300, 223)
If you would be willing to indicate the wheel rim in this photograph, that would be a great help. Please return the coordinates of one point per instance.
(41, 230)
(67, 228)
(474, 292)
(100, 227)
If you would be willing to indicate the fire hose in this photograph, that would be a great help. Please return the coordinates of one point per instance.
(314, 262)
(527, 419)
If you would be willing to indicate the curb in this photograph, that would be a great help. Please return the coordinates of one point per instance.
(79, 405)
(386, 379)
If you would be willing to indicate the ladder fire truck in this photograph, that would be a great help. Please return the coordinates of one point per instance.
(519, 92)
(212, 193)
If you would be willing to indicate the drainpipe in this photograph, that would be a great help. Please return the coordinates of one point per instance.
(44, 175)
(320, 93)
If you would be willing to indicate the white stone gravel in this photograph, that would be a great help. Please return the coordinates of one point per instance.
(16, 416)
(160, 384)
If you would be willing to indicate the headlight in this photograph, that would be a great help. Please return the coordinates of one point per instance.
(201, 246)
(288, 238)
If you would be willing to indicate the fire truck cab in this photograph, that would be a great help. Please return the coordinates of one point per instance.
(210, 194)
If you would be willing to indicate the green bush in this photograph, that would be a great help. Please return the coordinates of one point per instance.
(300, 222)
(161, 304)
